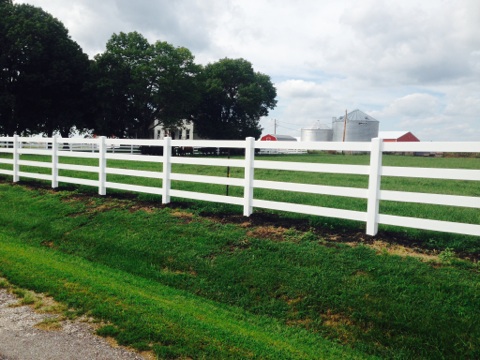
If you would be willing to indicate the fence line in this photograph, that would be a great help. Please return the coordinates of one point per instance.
(100, 149)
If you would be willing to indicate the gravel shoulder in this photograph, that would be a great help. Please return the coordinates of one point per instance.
(21, 337)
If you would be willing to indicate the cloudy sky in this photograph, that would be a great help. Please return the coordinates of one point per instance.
(413, 65)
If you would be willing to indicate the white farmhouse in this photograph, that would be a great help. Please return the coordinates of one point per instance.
(184, 132)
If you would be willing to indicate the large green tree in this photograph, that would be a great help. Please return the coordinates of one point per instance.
(139, 84)
(233, 99)
(42, 73)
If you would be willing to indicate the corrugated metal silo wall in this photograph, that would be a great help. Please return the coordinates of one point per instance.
(326, 135)
(316, 135)
(357, 130)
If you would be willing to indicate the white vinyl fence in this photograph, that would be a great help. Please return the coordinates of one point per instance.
(101, 149)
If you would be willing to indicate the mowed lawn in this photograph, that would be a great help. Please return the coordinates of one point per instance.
(183, 281)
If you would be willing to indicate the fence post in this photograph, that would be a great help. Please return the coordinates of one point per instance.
(167, 169)
(102, 166)
(54, 162)
(374, 181)
(16, 158)
(249, 174)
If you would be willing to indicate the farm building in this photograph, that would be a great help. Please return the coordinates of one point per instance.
(357, 126)
(317, 134)
(184, 132)
(397, 136)
(275, 137)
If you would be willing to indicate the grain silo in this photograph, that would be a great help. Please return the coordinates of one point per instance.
(320, 133)
(357, 127)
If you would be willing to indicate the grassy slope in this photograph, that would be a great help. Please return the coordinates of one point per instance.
(145, 313)
(379, 304)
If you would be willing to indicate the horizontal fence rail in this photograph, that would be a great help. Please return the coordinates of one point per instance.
(101, 149)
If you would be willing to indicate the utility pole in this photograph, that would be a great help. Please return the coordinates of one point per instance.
(345, 125)
(274, 126)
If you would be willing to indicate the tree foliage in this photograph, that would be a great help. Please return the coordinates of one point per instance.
(139, 83)
(42, 73)
(47, 84)
(234, 97)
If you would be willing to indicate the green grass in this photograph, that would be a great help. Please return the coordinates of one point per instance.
(434, 241)
(184, 285)
(147, 315)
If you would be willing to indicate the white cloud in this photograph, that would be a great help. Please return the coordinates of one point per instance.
(300, 89)
(412, 106)
(409, 64)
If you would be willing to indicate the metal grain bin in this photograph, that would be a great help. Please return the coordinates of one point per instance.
(358, 127)
(316, 134)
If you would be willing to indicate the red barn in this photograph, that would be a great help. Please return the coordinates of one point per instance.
(275, 137)
(397, 136)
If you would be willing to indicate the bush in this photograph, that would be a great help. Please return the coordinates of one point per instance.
(151, 150)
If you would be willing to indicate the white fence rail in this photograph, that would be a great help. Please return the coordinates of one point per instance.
(101, 149)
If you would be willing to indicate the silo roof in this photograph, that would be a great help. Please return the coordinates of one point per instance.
(357, 115)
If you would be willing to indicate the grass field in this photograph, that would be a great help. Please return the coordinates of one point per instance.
(461, 244)
(198, 280)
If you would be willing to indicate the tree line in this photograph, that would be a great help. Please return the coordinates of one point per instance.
(48, 85)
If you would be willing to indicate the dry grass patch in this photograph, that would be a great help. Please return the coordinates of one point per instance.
(50, 324)
(190, 272)
(340, 325)
(383, 247)
(268, 232)
(147, 209)
(335, 320)
(183, 215)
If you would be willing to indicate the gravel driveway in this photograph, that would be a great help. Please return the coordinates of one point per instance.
(21, 340)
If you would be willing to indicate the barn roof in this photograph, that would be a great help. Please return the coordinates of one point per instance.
(281, 137)
(285, 138)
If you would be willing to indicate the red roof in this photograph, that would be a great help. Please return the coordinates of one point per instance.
(397, 136)
(275, 137)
